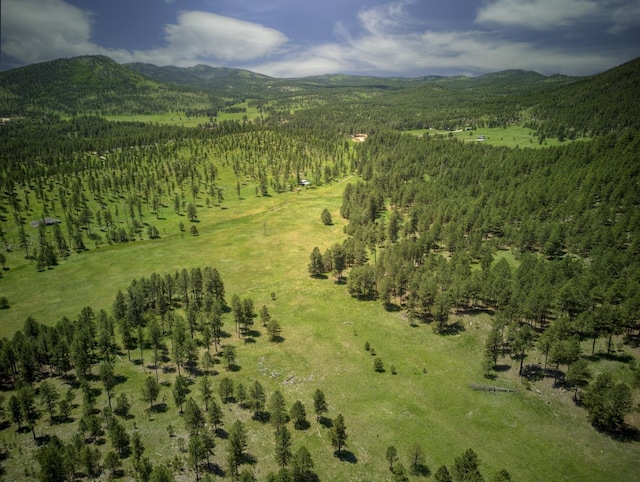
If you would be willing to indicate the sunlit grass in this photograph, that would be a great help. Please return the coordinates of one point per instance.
(182, 120)
(261, 245)
(511, 136)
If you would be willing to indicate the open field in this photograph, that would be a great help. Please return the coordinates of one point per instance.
(261, 245)
(512, 136)
(182, 120)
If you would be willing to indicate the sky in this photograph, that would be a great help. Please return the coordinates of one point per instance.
(296, 38)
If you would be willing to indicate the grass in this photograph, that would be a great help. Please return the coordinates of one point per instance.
(535, 435)
(181, 119)
(511, 136)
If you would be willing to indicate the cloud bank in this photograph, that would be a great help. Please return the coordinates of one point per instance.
(387, 40)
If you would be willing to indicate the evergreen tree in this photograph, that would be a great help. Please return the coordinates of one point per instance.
(339, 434)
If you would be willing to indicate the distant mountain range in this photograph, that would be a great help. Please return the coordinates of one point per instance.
(97, 84)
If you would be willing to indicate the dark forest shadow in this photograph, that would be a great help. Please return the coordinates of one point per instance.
(325, 422)
(452, 329)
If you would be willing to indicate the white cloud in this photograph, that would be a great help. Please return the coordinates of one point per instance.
(40, 30)
(389, 47)
(202, 35)
(536, 14)
(625, 17)
(37, 30)
(386, 18)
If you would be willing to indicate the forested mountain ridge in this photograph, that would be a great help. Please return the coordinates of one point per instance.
(94, 84)
(588, 106)
(596, 104)
(556, 106)
(223, 81)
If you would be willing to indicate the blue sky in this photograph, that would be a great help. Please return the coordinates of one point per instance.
(294, 38)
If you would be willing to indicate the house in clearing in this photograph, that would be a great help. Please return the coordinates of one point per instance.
(45, 221)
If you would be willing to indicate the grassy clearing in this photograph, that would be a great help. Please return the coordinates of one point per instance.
(512, 136)
(535, 435)
(182, 120)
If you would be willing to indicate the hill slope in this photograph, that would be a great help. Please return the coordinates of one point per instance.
(91, 84)
(221, 80)
(598, 104)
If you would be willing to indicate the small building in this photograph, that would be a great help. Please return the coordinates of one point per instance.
(45, 221)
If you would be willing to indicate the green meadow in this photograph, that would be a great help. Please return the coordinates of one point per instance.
(513, 136)
(182, 120)
(260, 246)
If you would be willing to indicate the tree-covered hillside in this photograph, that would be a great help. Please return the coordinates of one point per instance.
(92, 84)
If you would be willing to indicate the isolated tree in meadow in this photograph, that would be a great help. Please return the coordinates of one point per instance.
(137, 449)
(283, 447)
(192, 212)
(339, 434)
(278, 410)
(319, 404)
(161, 473)
(339, 260)
(493, 345)
(215, 415)
(122, 405)
(237, 444)
(196, 454)
(378, 365)
(154, 334)
(316, 263)
(90, 460)
(238, 312)
(108, 377)
(150, 391)
(241, 394)
(466, 467)
(578, 375)
(608, 402)
(258, 398)
(265, 316)
(49, 395)
(391, 456)
(206, 391)
(112, 462)
(126, 330)
(178, 343)
(417, 460)
(229, 355)
(48, 457)
(248, 315)
(194, 420)
(180, 391)
(15, 410)
(299, 415)
(302, 465)
(226, 389)
(274, 329)
(442, 474)
(120, 439)
(521, 338)
(26, 397)
(325, 217)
